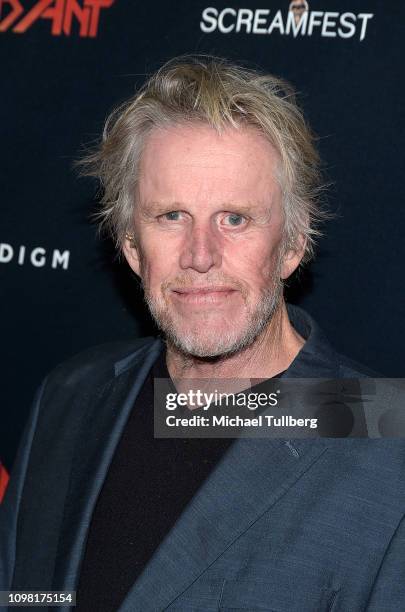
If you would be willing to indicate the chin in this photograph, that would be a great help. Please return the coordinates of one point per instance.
(216, 343)
(202, 350)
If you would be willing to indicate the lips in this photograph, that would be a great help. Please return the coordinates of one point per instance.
(202, 290)
(203, 295)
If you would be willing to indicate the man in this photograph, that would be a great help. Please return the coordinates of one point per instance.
(210, 190)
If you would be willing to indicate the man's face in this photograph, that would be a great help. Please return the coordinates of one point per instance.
(208, 227)
(298, 7)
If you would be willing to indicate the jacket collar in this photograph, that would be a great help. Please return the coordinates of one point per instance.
(317, 358)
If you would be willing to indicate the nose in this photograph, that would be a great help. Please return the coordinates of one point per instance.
(202, 249)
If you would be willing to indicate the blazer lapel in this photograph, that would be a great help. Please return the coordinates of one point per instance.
(251, 477)
(105, 419)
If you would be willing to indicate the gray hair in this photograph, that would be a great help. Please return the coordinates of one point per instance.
(212, 90)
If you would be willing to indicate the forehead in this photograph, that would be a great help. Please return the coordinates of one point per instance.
(189, 161)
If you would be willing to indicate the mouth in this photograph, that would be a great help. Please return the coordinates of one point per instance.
(203, 295)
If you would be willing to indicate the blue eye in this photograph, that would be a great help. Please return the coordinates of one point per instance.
(172, 215)
(235, 220)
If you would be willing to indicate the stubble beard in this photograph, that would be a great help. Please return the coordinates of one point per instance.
(230, 341)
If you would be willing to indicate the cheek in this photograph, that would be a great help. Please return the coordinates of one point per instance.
(158, 262)
(255, 262)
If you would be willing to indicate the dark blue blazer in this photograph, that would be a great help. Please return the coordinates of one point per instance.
(284, 526)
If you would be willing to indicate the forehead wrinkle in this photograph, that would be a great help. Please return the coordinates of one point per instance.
(206, 158)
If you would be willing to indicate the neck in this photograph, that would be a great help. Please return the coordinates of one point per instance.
(271, 353)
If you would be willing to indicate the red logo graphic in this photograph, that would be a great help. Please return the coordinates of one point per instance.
(60, 12)
(3, 481)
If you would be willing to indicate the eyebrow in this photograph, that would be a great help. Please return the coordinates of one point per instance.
(157, 208)
(161, 207)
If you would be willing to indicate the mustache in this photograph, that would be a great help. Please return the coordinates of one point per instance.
(187, 282)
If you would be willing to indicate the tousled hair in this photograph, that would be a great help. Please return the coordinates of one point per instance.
(221, 94)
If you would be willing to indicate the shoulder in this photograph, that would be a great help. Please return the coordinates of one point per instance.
(319, 358)
(84, 383)
(349, 368)
(97, 362)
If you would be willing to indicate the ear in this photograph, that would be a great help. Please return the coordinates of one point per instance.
(293, 256)
(131, 253)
